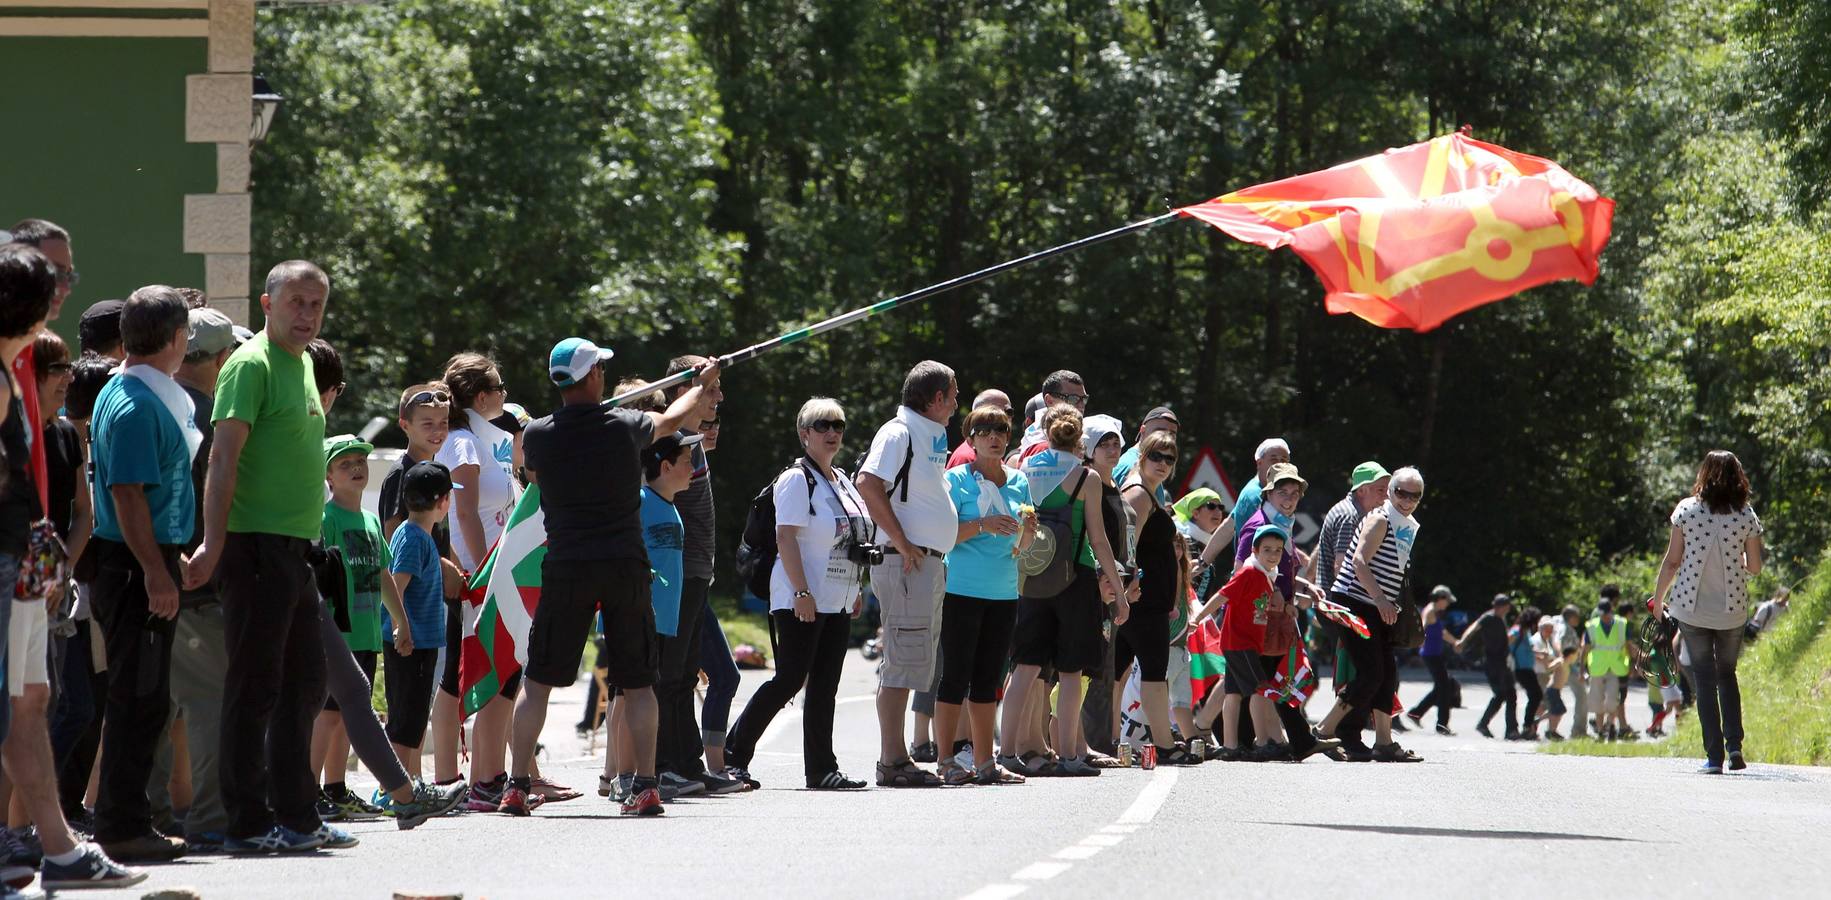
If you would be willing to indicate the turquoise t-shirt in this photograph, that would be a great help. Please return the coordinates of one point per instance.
(136, 441)
(982, 566)
(1247, 504)
(664, 536)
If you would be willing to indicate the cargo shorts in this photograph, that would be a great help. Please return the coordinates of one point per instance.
(911, 607)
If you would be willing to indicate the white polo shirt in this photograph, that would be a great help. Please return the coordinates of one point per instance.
(928, 516)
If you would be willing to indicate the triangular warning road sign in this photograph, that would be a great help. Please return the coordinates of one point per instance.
(1207, 472)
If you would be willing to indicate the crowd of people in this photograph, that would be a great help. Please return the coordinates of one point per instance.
(171, 485)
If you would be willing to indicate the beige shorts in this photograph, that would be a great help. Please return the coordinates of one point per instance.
(911, 608)
(27, 643)
(1604, 693)
(1182, 692)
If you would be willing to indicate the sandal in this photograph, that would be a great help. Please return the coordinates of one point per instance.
(905, 774)
(1177, 755)
(1394, 753)
(925, 752)
(993, 773)
(953, 774)
(552, 793)
(607, 786)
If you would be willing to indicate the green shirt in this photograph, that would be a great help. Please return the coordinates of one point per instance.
(279, 483)
(365, 557)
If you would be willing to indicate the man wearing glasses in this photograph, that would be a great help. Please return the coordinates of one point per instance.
(1062, 386)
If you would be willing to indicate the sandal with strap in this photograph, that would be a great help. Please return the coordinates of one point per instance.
(1177, 755)
(993, 773)
(1394, 753)
(905, 774)
(552, 793)
(927, 752)
(953, 774)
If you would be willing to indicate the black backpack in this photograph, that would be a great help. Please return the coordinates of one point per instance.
(756, 551)
(901, 482)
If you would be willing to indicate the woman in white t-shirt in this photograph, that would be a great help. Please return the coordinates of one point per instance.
(1715, 545)
(480, 457)
(814, 594)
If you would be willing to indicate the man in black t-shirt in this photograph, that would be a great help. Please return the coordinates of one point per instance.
(1490, 628)
(585, 459)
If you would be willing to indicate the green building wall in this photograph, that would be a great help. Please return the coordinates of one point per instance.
(94, 141)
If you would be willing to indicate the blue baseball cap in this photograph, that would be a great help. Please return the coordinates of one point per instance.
(1265, 531)
(572, 359)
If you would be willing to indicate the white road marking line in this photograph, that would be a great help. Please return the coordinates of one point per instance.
(1151, 798)
(997, 892)
(1042, 871)
(1143, 809)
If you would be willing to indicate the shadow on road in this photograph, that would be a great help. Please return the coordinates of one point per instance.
(1418, 831)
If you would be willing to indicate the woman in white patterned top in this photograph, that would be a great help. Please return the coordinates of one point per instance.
(1715, 545)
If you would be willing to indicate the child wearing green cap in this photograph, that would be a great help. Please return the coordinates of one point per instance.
(357, 534)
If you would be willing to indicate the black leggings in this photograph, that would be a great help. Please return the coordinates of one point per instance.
(806, 652)
(975, 643)
(1442, 691)
(1145, 636)
(1529, 682)
(1376, 676)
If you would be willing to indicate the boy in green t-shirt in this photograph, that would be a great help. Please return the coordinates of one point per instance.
(357, 533)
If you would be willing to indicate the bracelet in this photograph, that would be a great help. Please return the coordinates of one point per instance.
(800, 594)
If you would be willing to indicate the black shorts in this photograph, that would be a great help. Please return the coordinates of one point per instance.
(1245, 671)
(1145, 636)
(1062, 631)
(409, 692)
(365, 660)
(571, 592)
(454, 652)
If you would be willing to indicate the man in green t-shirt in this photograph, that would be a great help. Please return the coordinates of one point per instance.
(263, 508)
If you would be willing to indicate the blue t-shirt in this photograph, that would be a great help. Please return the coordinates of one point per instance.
(663, 536)
(415, 554)
(1522, 650)
(136, 441)
(982, 566)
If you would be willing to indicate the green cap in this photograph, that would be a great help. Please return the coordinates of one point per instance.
(345, 443)
(1366, 473)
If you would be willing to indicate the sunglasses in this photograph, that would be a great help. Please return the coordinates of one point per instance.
(1164, 458)
(707, 424)
(825, 426)
(428, 397)
(990, 429)
(62, 368)
(69, 276)
(495, 387)
(339, 388)
(1404, 494)
(1213, 506)
(1074, 399)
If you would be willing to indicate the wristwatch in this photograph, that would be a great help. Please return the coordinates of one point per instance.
(800, 594)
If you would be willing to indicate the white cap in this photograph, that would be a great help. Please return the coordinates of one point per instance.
(1094, 429)
(1268, 445)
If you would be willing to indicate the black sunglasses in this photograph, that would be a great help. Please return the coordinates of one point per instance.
(68, 276)
(1404, 494)
(707, 424)
(62, 368)
(1217, 507)
(827, 425)
(1075, 399)
(1164, 458)
(999, 428)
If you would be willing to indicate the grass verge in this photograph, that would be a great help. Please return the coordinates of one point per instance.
(1786, 692)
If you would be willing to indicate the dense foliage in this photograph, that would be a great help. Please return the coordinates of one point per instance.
(692, 177)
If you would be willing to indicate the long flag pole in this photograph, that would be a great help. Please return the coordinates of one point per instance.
(883, 306)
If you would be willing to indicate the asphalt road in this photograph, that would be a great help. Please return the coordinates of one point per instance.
(1478, 818)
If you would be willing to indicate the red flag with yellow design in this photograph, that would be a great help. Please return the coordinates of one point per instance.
(1415, 235)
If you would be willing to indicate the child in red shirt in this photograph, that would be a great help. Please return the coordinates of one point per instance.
(1248, 602)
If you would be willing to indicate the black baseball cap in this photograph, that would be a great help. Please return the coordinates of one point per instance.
(1160, 412)
(1502, 600)
(425, 482)
(664, 448)
(100, 325)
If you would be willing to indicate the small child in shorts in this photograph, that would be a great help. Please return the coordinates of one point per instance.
(412, 664)
(1248, 602)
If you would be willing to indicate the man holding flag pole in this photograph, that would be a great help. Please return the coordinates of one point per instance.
(584, 459)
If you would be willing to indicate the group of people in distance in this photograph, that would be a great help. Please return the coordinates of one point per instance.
(172, 485)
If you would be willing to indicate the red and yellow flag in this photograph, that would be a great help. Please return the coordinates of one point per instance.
(1415, 235)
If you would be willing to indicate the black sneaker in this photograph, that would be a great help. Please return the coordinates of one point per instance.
(1445, 731)
(1736, 762)
(327, 808)
(1484, 732)
(92, 870)
(718, 785)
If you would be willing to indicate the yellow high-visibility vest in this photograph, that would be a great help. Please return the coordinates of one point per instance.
(1608, 653)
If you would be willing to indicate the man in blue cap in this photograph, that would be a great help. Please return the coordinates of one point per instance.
(586, 460)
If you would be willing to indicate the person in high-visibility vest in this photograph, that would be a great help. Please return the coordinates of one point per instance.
(1608, 667)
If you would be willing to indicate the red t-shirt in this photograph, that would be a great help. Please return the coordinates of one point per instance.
(25, 374)
(963, 455)
(1244, 617)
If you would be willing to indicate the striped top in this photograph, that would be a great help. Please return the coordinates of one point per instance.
(1390, 561)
